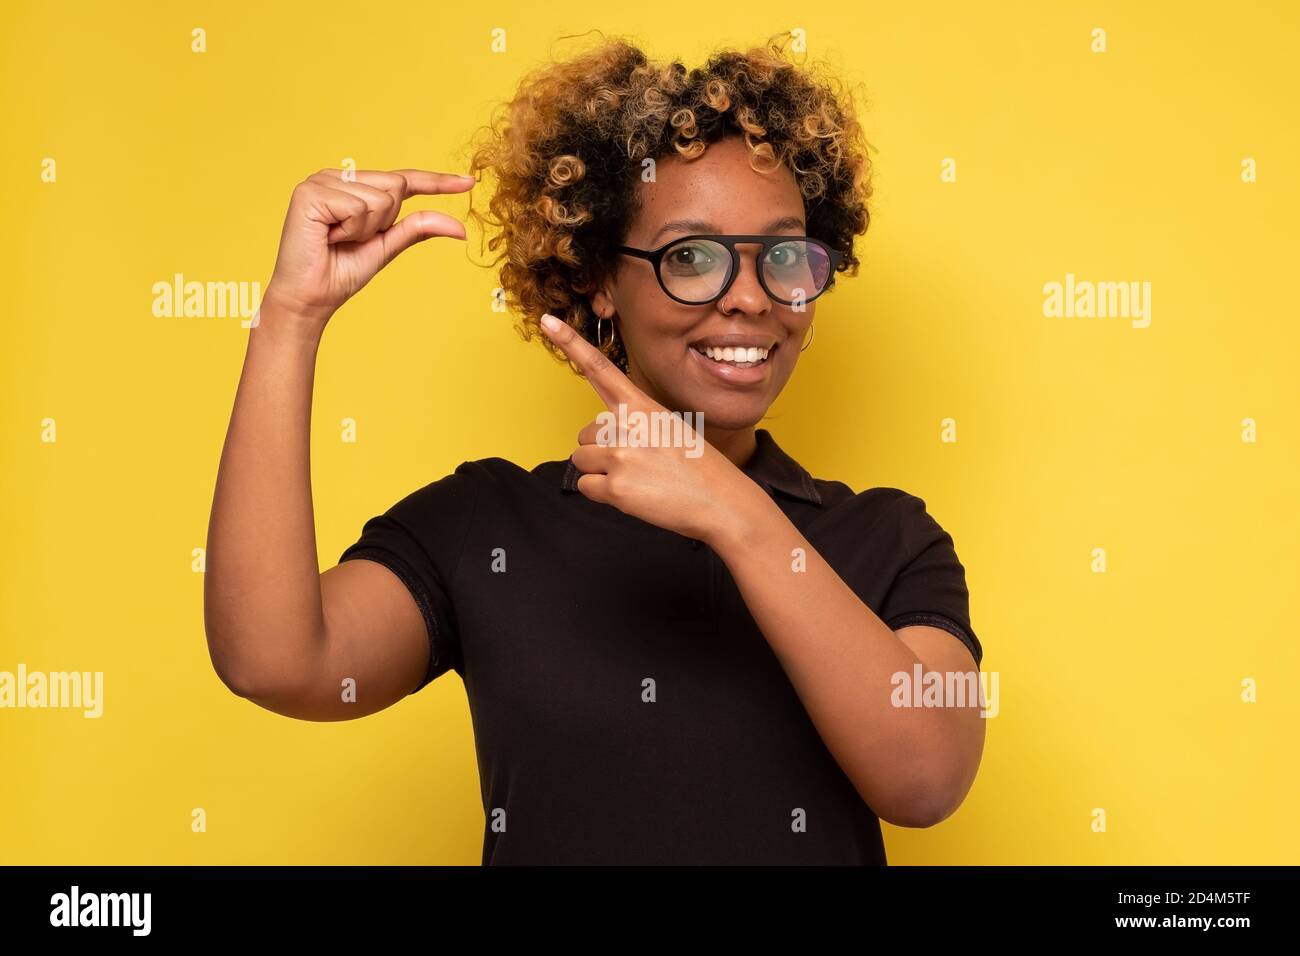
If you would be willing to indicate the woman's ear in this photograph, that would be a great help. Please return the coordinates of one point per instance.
(602, 299)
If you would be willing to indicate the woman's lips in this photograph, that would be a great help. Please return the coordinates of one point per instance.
(731, 374)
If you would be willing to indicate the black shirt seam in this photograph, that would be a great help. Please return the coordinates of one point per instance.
(941, 621)
(423, 601)
(460, 554)
(469, 523)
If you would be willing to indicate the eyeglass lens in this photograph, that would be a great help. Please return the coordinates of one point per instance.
(695, 270)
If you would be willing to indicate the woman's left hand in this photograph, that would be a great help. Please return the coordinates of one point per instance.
(698, 497)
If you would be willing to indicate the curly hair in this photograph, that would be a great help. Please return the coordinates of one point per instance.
(567, 153)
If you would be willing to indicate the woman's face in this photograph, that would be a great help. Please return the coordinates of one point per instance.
(664, 339)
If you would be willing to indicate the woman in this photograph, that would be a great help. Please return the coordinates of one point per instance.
(674, 651)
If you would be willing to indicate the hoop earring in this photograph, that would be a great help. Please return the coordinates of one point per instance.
(813, 330)
(599, 336)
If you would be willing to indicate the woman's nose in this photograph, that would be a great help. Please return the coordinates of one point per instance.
(746, 292)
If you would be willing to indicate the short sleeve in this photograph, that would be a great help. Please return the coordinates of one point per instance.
(931, 587)
(420, 539)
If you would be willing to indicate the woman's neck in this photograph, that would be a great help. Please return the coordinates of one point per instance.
(737, 444)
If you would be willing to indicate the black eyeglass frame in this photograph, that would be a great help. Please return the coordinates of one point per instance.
(655, 257)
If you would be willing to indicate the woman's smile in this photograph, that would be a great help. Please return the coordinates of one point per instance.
(735, 359)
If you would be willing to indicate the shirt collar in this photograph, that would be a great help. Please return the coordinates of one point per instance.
(769, 466)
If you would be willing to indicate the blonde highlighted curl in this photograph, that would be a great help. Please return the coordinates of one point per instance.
(567, 154)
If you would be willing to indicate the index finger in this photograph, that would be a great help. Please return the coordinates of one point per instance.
(424, 182)
(605, 377)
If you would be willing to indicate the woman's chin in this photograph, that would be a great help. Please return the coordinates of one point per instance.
(730, 412)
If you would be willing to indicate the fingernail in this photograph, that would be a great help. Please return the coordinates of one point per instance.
(550, 323)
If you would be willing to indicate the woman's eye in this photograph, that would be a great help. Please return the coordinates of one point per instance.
(693, 257)
(785, 258)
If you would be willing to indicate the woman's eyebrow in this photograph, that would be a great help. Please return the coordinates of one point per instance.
(700, 225)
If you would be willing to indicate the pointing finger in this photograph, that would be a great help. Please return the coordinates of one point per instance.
(422, 182)
(605, 377)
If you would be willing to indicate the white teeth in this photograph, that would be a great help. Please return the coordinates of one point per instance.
(748, 356)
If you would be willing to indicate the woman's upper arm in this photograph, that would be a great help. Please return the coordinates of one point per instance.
(955, 755)
(375, 648)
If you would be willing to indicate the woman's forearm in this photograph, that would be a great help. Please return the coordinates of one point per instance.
(840, 658)
(262, 595)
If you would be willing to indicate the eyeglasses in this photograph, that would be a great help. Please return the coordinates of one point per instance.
(694, 270)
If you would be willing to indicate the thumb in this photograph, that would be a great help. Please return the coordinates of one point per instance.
(414, 228)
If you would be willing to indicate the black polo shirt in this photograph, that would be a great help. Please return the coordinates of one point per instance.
(626, 708)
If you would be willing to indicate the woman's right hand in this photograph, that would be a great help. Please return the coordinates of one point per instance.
(339, 232)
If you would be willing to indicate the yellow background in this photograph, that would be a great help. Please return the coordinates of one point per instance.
(1118, 690)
